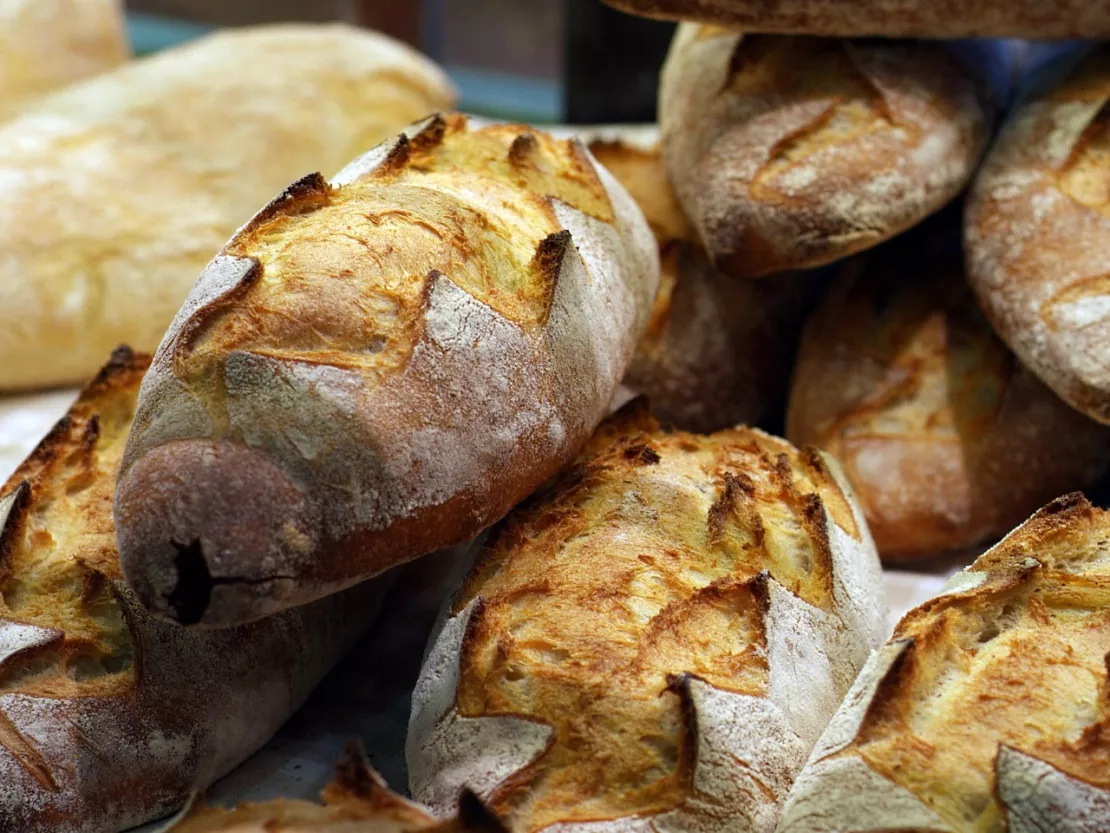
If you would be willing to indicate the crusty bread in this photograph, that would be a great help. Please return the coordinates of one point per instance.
(716, 350)
(655, 641)
(108, 717)
(946, 438)
(379, 367)
(117, 191)
(47, 44)
(1038, 231)
(789, 152)
(892, 18)
(989, 708)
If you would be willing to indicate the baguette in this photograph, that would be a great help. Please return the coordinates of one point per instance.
(1038, 229)
(947, 439)
(989, 708)
(653, 643)
(117, 191)
(891, 18)
(47, 44)
(792, 152)
(109, 718)
(380, 367)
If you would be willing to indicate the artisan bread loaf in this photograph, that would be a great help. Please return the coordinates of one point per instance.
(1038, 231)
(47, 44)
(989, 708)
(117, 191)
(892, 18)
(108, 717)
(789, 152)
(655, 641)
(947, 439)
(377, 367)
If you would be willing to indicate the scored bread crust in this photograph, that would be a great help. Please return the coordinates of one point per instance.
(380, 367)
(108, 717)
(655, 641)
(118, 190)
(989, 708)
(946, 438)
(790, 152)
(1037, 228)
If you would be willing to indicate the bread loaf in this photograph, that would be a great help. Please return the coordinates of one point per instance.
(892, 18)
(989, 708)
(109, 718)
(379, 367)
(947, 439)
(716, 349)
(47, 44)
(117, 191)
(1038, 232)
(790, 152)
(654, 642)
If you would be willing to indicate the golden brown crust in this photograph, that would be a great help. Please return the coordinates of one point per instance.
(791, 152)
(946, 438)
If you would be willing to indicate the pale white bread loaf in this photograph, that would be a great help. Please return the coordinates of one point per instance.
(115, 192)
(989, 708)
(47, 44)
(655, 641)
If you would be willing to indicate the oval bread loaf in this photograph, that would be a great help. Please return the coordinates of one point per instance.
(655, 641)
(117, 191)
(108, 717)
(989, 708)
(947, 439)
(790, 152)
(379, 367)
(1038, 231)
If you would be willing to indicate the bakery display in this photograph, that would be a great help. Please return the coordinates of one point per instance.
(654, 641)
(47, 44)
(1037, 223)
(946, 438)
(791, 152)
(988, 709)
(108, 717)
(380, 366)
(119, 190)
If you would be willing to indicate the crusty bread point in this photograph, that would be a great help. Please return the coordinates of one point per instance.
(1037, 231)
(989, 708)
(791, 152)
(380, 366)
(653, 642)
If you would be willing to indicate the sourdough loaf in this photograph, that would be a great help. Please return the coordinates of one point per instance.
(380, 366)
(946, 438)
(789, 152)
(655, 641)
(117, 191)
(1038, 231)
(989, 708)
(108, 717)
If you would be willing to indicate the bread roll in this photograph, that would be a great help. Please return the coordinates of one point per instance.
(117, 191)
(791, 152)
(988, 710)
(716, 349)
(655, 642)
(946, 438)
(892, 18)
(109, 718)
(1038, 232)
(379, 367)
(47, 44)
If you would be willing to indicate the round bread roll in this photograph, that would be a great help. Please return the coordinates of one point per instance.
(946, 438)
(1037, 231)
(792, 152)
